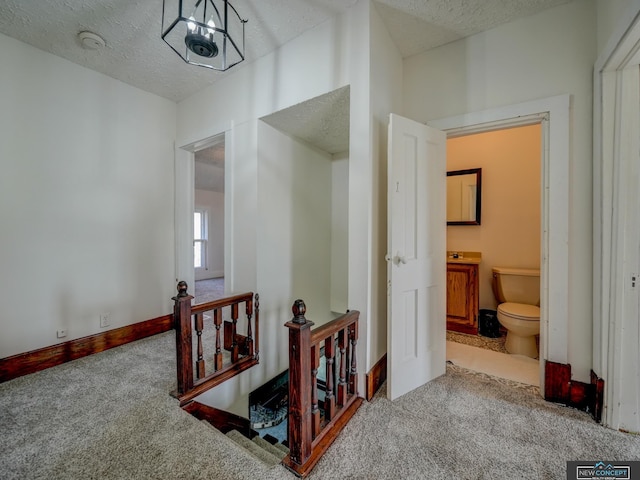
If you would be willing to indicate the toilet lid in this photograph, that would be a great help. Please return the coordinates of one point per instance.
(520, 311)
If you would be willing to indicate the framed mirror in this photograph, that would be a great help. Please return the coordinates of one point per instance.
(464, 197)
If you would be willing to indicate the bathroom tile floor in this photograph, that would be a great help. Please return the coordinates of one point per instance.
(467, 353)
(495, 344)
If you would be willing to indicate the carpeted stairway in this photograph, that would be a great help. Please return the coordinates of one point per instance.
(265, 452)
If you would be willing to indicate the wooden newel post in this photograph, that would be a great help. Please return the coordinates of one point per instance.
(300, 435)
(182, 325)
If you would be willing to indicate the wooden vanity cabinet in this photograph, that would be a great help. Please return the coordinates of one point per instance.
(462, 298)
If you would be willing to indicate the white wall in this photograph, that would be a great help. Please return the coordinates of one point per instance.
(340, 233)
(609, 14)
(86, 200)
(386, 73)
(294, 232)
(537, 57)
(328, 57)
(213, 202)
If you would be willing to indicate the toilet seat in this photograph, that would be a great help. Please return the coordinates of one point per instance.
(520, 311)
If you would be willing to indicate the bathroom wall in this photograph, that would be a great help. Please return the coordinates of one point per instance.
(509, 235)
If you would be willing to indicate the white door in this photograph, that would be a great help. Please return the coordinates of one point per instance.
(416, 262)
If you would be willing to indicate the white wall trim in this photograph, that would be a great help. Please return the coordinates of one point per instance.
(554, 115)
(611, 164)
(184, 168)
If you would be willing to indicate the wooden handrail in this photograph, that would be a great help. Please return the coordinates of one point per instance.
(243, 349)
(310, 431)
(221, 302)
(334, 326)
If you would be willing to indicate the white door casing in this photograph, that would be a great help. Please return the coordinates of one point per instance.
(554, 114)
(416, 262)
(616, 256)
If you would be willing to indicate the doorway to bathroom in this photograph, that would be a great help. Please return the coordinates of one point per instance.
(554, 116)
(508, 235)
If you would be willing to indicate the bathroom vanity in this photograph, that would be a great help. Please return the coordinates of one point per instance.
(463, 292)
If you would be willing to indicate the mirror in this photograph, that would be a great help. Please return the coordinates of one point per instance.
(464, 195)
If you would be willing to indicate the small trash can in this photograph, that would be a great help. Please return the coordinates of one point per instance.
(488, 323)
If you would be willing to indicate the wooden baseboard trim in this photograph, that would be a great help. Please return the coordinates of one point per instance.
(598, 397)
(560, 388)
(376, 377)
(36, 360)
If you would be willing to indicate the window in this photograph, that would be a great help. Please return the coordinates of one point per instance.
(200, 239)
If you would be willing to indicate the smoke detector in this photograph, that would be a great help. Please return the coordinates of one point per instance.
(91, 41)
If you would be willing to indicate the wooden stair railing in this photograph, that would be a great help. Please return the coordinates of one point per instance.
(313, 423)
(233, 352)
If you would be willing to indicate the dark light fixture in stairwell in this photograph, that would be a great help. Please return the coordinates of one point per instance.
(207, 33)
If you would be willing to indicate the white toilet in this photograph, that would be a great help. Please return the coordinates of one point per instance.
(517, 291)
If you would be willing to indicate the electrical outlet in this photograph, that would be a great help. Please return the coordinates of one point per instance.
(62, 333)
(105, 319)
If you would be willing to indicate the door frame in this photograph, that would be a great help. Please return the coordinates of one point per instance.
(553, 113)
(612, 231)
(184, 203)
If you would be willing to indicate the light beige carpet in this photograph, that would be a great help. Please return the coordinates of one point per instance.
(109, 416)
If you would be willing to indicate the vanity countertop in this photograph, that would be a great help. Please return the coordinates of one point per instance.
(464, 257)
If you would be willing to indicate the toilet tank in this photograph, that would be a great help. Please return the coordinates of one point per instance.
(517, 285)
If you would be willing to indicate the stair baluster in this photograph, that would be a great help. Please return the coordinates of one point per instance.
(353, 373)
(256, 350)
(342, 380)
(200, 366)
(315, 409)
(217, 321)
(249, 313)
(329, 399)
(234, 331)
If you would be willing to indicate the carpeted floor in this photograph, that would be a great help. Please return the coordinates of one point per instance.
(109, 416)
(208, 290)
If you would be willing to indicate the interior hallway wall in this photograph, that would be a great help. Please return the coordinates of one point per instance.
(86, 200)
(386, 73)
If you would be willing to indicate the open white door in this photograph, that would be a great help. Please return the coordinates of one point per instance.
(416, 262)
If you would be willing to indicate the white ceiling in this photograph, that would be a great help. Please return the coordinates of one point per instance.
(135, 53)
(322, 121)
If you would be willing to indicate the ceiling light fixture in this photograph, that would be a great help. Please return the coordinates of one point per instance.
(207, 33)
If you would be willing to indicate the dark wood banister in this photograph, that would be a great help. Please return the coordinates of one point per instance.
(309, 435)
(189, 387)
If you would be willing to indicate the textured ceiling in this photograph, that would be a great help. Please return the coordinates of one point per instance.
(322, 121)
(419, 25)
(135, 54)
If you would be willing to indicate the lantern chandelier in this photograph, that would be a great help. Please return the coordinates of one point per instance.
(207, 33)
